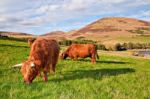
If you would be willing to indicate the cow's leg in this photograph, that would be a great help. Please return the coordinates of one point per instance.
(46, 70)
(45, 76)
(54, 62)
(93, 59)
(53, 66)
(72, 57)
(39, 74)
(75, 57)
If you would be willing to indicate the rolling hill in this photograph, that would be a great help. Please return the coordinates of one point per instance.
(116, 29)
(15, 34)
(59, 35)
(112, 24)
(111, 30)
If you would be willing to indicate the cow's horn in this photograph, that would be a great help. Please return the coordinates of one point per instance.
(32, 65)
(17, 65)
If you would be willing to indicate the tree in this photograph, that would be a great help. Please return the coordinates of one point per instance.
(130, 45)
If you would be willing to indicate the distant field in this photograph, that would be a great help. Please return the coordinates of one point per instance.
(135, 39)
(113, 77)
(114, 38)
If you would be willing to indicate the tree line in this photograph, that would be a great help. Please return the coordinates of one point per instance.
(115, 47)
(80, 40)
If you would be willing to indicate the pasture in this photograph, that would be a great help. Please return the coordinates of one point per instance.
(112, 77)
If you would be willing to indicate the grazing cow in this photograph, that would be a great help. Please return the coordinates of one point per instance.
(43, 57)
(81, 50)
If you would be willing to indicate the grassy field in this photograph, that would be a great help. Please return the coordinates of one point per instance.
(113, 77)
(134, 39)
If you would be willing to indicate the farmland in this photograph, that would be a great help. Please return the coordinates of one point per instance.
(112, 77)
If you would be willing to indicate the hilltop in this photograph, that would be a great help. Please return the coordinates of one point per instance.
(111, 24)
(59, 35)
(111, 30)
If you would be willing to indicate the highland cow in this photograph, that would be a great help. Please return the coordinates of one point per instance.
(76, 51)
(43, 57)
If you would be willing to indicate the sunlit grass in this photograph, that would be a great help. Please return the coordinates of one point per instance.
(112, 77)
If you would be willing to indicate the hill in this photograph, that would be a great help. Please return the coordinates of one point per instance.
(15, 34)
(114, 24)
(59, 35)
(108, 31)
(112, 30)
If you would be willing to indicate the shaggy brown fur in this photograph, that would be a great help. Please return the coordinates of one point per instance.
(82, 51)
(43, 57)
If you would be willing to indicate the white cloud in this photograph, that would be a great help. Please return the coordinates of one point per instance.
(47, 8)
(3, 19)
(145, 14)
(28, 14)
(138, 3)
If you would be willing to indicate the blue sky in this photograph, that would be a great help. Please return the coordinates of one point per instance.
(42, 16)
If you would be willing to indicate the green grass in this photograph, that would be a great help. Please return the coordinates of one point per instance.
(135, 39)
(145, 38)
(113, 77)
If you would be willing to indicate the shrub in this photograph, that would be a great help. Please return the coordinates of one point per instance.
(15, 39)
(101, 47)
(118, 47)
(65, 42)
(110, 48)
(80, 38)
(130, 45)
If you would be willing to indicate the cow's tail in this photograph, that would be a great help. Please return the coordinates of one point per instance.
(97, 56)
(96, 52)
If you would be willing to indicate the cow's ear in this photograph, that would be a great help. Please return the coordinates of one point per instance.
(30, 41)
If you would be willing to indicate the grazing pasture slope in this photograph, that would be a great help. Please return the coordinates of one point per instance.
(112, 77)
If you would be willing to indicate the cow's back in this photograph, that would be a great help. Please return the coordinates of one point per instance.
(54, 47)
(43, 51)
(81, 50)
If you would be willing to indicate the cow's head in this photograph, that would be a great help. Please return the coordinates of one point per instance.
(64, 55)
(28, 71)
